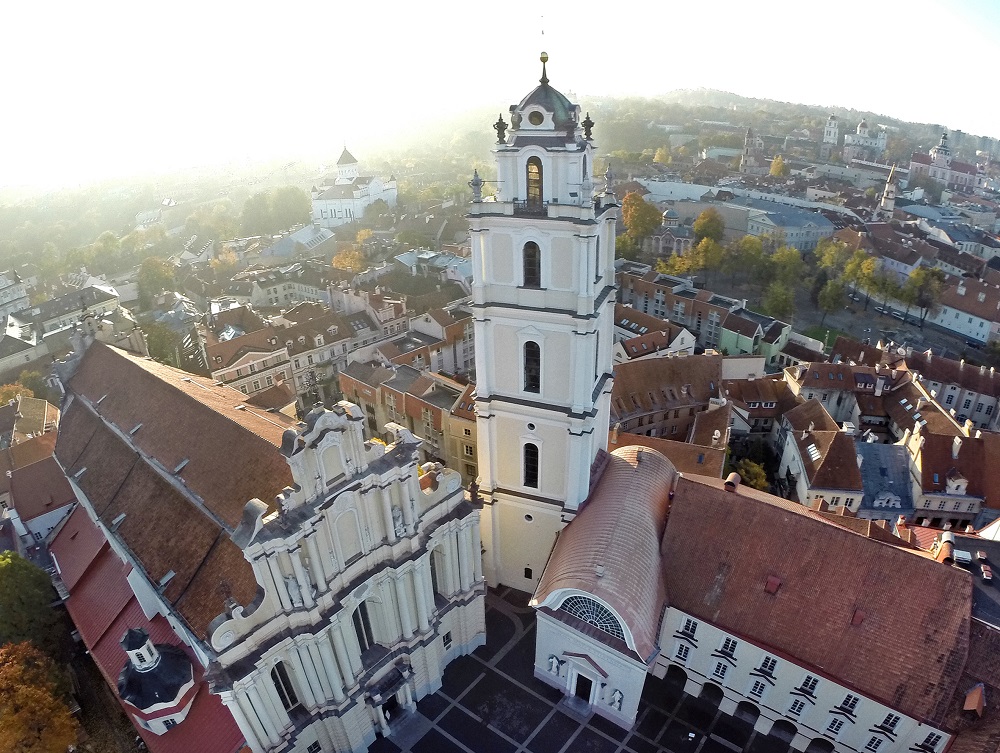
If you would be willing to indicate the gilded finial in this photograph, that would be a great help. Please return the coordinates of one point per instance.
(544, 58)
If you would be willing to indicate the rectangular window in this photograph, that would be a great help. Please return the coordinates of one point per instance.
(967, 403)
(720, 670)
(890, 722)
(834, 727)
(467, 432)
(169, 723)
(683, 651)
(690, 626)
(469, 450)
(850, 702)
(729, 646)
(757, 689)
(809, 685)
(874, 744)
(446, 640)
(796, 708)
(931, 741)
(768, 665)
(949, 400)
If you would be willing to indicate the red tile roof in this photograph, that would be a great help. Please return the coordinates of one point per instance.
(612, 548)
(76, 546)
(720, 548)
(103, 607)
(39, 488)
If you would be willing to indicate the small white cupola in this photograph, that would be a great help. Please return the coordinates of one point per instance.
(140, 649)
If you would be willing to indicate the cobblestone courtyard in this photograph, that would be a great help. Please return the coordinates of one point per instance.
(491, 703)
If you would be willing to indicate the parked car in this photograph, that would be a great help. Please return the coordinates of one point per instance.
(987, 573)
(898, 315)
(880, 309)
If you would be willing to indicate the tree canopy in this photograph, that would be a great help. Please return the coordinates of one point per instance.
(779, 300)
(831, 298)
(9, 392)
(33, 716)
(640, 217)
(752, 474)
(270, 212)
(350, 259)
(155, 276)
(778, 167)
(709, 224)
(25, 615)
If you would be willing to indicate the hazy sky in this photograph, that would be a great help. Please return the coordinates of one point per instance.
(114, 87)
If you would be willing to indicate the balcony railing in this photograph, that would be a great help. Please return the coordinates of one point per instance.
(530, 208)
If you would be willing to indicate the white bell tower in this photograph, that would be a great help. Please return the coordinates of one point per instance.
(543, 253)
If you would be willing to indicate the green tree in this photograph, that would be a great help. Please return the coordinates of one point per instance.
(787, 266)
(752, 474)
(155, 276)
(859, 271)
(640, 218)
(926, 285)
(831, 298)
(710, 255)
(33, 716)
(778, 167)
(832, 255)
(626, 247)
(709, 224)
(25, 612)
(290, 206)
(162, 343)
(9, 392)
(225, 264)
(255, 219)
(34, 382)
(779, 301)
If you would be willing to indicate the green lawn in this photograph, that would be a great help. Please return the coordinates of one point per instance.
(820, 333)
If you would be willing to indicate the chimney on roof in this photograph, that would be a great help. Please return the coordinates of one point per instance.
(893, 373)
(961, 364)
(732, 481)
(967, 427)
(614, 432)
(982, 369)
(900, 523)
(979, 433)
(970, 529)
(877, 368)
(956, 446)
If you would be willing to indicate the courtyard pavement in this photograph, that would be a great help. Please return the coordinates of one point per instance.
(491, 703)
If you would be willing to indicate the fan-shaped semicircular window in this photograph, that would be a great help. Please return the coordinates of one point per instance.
(593, 613)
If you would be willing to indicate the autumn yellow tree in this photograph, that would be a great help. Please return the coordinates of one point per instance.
(350, 259)
(640, 217)
(9, 392)
(778, 167)
(33, 716)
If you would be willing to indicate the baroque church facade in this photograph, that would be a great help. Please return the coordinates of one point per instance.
(320, 579)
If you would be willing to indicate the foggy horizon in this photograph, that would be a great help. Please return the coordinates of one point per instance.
(115, 91)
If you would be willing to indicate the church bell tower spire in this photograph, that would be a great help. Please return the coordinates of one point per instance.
(543, 297)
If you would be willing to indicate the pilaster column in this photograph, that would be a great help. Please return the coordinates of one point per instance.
(314, 657)
(329, 543)
(279, 582)
(330, 667)
(263, 712)
(305, 587)
(390, 528)
(420, 595)
(451, 542)
(383, 725)
(316, 563)
(464, 566)
(403, 602)
(304, 686)
(340, 647)
(477, 551)
(278, 714)
(354, 659)
(427, 585)
(245, 719)
(405, 506)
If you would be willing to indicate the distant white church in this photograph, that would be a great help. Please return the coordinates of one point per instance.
(344, 196)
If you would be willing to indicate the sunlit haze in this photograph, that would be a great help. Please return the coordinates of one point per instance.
(112, 88)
